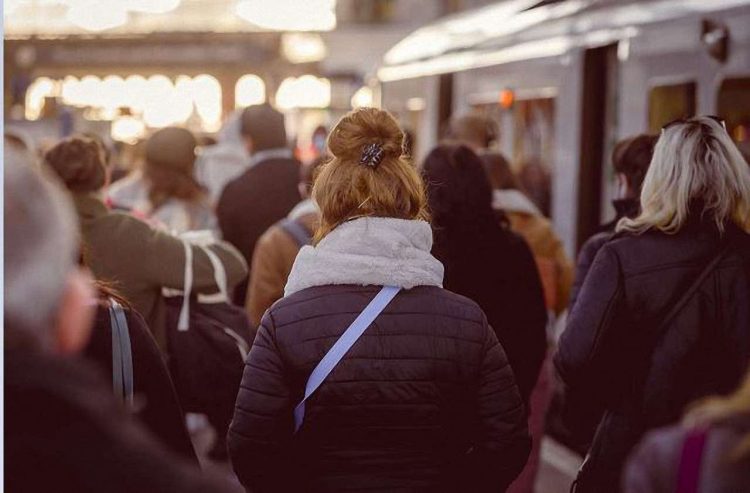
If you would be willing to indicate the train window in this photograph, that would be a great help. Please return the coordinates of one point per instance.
(670, 102)
(734, 106)
(533, 148)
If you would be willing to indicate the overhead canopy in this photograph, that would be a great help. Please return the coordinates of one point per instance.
(513, 30)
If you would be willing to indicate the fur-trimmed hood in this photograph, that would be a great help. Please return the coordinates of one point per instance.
(369, 251)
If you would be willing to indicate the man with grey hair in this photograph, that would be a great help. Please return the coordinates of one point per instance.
(46, 296)
(64, 430)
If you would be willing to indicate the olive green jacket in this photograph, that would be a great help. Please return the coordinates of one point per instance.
(139, 260)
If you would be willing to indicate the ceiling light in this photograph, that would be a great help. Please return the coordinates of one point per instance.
(289, 15)
(303, 47)
(93, 15)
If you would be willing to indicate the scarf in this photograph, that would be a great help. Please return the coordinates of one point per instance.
(369, 251)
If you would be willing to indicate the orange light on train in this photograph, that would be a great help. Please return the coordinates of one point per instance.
(506, 99)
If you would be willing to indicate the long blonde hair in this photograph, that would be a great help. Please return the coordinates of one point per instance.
(696, 169)
(345, 189)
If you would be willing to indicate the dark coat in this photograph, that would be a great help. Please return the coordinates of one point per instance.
(608, 343)
(156, 406)
(65, 432)
(587, 254)
(498, 272)
(254, 201)
(425, 401)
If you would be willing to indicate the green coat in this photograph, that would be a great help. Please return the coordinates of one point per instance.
(139, 260)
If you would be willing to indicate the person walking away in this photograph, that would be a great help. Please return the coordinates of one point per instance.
(165, 189)
(221, 163)
(64, 430)
(662, 318)
(493, 266)
(475, 131)
(263, 194)
(155, 402)
(555, 268)
(137, 258)
(278, 247)
(708, 453)
(630, 159)
(425, 400)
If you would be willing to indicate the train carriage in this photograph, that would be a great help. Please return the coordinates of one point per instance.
(564, 80)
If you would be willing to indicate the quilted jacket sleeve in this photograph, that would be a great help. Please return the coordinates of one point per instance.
(501, 442)
(262, 422)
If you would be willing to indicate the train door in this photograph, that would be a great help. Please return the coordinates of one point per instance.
(597, 136)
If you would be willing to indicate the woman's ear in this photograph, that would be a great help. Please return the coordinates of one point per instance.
(76, 314)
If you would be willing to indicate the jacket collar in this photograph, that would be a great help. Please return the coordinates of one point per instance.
(266, 154)
(369, 251)
(89, 206)
(513, 201)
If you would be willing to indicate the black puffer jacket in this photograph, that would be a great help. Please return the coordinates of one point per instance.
(425, 401)
(631, 286)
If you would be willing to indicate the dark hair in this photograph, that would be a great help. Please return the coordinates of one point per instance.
(265, 126)
(459, 194)
(499, 172)
(632, 157)
(169, 160)
(79, 163)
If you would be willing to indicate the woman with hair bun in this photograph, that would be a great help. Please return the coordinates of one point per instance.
(424, 399)
(663, 316)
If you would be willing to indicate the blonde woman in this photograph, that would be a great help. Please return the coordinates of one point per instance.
(709, 452)
(663, 317)
(425, 399)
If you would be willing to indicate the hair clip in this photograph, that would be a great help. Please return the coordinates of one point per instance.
(372, 155)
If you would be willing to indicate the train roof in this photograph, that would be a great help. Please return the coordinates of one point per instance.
(515, 30)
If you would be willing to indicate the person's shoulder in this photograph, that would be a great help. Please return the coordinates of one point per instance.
(430, 301)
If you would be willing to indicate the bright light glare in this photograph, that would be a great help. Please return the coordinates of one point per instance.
(249, 90)
(40, 89)
(307, 91)
(206, 95)
(303, 47)
(127, 129)
(96, 15)
(289, 15)
(415, 104)
(362, 98)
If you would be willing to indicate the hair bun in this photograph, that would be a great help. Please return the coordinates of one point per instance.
(79, 162)
(363, 129)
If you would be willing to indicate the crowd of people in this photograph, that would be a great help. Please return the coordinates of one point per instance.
(365, 322)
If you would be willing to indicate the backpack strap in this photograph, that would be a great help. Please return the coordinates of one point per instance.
(342, 346)
(122, 354)
(297, 231)
(691, 460)
(183, 322)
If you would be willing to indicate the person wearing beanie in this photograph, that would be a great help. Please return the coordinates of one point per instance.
(266, 192)
(165, 189)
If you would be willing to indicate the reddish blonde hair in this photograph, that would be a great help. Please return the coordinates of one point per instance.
(345, 189)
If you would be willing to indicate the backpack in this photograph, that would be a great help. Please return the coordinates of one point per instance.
(208, 340)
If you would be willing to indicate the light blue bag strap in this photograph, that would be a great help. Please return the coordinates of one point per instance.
(122, 355)
(342, 346)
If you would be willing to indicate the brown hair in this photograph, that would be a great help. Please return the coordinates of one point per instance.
(346, 189)
(632, 157)
(80, 164)
(169, 161)
(499, 172)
